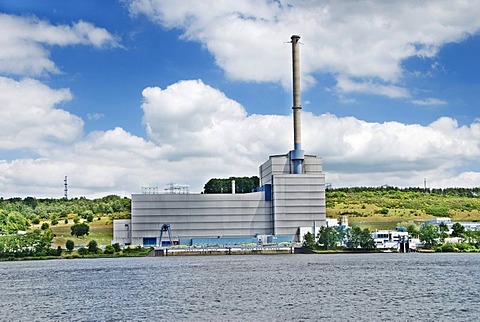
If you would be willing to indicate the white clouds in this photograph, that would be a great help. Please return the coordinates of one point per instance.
(346, 85)
(363, 40)
(226, 137)
(196, 133)
(29, 117)
(95, 116)
(25, 45)
(429, 101)
(190, 118)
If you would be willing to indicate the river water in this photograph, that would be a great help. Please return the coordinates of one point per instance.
(340, 287)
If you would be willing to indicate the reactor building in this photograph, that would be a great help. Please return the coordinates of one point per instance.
(289, 202)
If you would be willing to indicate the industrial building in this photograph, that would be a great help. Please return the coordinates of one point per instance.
(289, 202)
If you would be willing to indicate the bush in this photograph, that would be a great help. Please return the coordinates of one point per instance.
(448, 248)
(109, 250)
(92, 246)
(82, 251)
(382, 211)
(70, 245)
(90, 217)
(54, 221)
(45, 226)
(35, 220)
(117, 247)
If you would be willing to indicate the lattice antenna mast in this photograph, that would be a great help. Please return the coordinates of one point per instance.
(65, 190)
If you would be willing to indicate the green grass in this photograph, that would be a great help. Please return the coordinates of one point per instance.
(100, 230)
(385, 209)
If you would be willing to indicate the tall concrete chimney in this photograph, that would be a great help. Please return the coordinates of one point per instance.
(297, 154)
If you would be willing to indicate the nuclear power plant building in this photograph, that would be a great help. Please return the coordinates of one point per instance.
(289, 202)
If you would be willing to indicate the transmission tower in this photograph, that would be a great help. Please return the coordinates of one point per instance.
(65, 190)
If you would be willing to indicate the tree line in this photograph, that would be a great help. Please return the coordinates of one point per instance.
(330, 238)
(454, 191)
(242, 185)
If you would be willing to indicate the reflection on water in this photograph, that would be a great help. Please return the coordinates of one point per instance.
(346, 287)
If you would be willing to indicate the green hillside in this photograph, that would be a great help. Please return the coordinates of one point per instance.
(385, 207)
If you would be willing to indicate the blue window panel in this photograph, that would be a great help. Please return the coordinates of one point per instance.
(149, 241)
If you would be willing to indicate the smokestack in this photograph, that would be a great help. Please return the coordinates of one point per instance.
(297, 155)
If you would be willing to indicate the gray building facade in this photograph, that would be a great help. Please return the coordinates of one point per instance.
(285, 206)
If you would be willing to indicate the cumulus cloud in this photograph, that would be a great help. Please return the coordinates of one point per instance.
(364, 40)
(351, 148)
(24, 46)
(196, 132)
(30, 118)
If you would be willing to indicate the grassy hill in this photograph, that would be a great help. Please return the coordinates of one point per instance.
(384, 208)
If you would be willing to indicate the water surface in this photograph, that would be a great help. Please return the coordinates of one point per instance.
(340, 287)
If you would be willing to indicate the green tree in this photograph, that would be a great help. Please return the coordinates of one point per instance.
(92, 246)
(79, 230)
(327, 237)
(117, 247)
(353, 237)
(109, 250)
(458, 230)
(44, 226)
(309, 241)
(70, 245)
(428, 234)
(242, 185)
(366, 240)
(410, 227)
(443, 229)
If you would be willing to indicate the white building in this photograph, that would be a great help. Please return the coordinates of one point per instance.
(390, 239)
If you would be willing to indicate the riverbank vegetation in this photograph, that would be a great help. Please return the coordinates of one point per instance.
(337, 238)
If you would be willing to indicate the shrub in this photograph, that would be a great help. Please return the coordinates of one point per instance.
(117, 247)
(70, 245)
(448, 248)
(45, 226)
(35, 220)
(90, 217)
(82, 251)
(109, 250)
(92, 246)
(382, 211)
(464, 246)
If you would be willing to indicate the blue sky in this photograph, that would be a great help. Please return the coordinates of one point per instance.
(123, 94)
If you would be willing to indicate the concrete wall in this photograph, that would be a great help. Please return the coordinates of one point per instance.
(298, 201)
(200, 215)
(122, 231)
